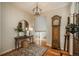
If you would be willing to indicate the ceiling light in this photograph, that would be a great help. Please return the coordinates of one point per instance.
(36, 10)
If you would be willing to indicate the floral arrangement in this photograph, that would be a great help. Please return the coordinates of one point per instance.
(72, 28)
(19, 28)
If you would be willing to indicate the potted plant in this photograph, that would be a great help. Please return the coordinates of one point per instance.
(19, 30)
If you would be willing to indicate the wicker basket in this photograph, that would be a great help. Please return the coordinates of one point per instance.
(24, 44)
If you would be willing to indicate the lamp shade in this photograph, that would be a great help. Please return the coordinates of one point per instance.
(30, 29)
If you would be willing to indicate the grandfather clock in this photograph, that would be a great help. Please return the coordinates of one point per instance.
(56, 32)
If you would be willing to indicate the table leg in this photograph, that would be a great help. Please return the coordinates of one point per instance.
(15, 44)
(65, 44)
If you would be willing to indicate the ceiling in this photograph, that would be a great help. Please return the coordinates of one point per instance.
(45, 6)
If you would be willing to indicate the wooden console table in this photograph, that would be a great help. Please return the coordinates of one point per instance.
(17, 39)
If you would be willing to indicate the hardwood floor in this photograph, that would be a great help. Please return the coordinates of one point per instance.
(53, 52)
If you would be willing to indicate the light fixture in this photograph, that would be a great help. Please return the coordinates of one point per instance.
(36, 10)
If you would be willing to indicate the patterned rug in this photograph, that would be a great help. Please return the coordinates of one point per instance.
(32, 50)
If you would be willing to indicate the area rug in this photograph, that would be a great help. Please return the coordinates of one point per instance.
(32, 50)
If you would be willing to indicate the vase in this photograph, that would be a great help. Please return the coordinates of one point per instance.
(21, 33)
(27, 33)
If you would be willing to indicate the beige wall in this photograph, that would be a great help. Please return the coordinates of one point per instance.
(10, 17)
(0, 27)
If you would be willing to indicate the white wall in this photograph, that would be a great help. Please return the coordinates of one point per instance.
(10, 18)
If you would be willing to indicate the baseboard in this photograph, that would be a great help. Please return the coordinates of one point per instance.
(6, 51)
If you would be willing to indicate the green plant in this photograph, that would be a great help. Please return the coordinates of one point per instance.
(18, 29)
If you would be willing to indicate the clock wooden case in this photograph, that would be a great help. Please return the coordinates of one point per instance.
(56, 32)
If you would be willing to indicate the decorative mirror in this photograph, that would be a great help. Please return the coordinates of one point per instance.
(23, 24)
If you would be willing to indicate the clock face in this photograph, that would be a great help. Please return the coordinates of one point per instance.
(56, 22)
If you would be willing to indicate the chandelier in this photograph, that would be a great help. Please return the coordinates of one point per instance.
(36, 10)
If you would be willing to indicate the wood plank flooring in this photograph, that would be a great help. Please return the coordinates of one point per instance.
(53, 52)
